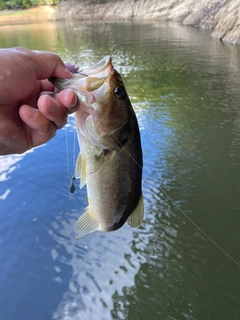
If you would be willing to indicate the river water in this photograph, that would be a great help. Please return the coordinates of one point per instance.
(185, 88)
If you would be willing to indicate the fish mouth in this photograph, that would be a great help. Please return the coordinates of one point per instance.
(89, 83)
(96, 75)
(97, 68)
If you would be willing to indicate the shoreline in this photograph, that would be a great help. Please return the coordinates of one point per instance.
(32, 15)
(221, 18)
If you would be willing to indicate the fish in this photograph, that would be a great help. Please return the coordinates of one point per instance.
(110, 162)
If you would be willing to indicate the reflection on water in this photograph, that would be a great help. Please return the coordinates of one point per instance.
(94, 279)
(185, 89)
(40, 36)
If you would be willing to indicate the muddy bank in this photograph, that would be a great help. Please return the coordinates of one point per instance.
(33, 15)
(220, 17)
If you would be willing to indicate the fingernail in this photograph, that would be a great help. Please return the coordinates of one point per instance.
(48, 93)
(75, 104)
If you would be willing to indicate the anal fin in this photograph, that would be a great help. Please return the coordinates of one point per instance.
(86, 223)
(135, 219)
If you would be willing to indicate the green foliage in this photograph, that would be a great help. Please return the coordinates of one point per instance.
(3, 5)
(14, 4)
(25, 4)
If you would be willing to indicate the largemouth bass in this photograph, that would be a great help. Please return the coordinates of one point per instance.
(110, 159)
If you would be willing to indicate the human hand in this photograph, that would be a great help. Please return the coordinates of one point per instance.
(30, 110)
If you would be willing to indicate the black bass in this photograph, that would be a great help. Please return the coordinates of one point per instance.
(110, 159)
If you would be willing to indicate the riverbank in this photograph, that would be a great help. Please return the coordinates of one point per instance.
(220, 17)
(32, 15)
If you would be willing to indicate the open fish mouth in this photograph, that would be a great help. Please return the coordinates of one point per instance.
(93, 77)
(89, 83)
(86, 80)
(98, 69)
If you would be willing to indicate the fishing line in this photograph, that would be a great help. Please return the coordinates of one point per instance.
(122, 146)
(67, 160)
(184, 214)
(72, 186)
(203, 232)
(74, 147)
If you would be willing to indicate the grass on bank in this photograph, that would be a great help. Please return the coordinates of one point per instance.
(31, 15)
(13, 13)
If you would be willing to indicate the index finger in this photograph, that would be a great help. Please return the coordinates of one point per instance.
(48, 64)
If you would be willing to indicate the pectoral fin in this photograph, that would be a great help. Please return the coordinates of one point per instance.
(135, 219)
(99, 159)
(81, 170)
(86, 223)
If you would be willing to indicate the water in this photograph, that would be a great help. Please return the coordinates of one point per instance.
(184, 86)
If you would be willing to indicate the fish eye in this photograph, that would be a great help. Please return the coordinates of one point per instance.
(119, 92)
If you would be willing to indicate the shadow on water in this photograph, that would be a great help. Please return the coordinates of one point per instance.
(185, 89)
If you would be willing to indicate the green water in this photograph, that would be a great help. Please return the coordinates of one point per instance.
(185, 88)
